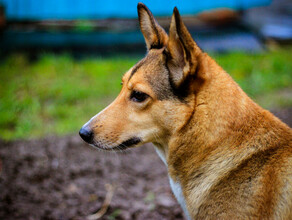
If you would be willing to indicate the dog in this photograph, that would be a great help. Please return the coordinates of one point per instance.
(227, 158)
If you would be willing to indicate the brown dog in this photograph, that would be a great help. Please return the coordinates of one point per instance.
(227, 157)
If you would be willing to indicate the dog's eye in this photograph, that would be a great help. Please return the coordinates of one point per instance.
(137, 96)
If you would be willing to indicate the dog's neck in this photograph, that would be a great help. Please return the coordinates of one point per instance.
(224, 128)
(214, 127)
(219, 121)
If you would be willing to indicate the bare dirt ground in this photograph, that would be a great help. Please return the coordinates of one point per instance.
(62, 178)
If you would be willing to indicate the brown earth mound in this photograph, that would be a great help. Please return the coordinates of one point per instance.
(62, 178)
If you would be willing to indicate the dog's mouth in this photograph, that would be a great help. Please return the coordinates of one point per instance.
(123, 146)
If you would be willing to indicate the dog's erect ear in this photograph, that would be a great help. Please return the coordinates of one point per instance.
(183, 51)
(154, 34)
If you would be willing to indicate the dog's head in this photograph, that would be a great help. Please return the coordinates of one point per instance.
(158, 93)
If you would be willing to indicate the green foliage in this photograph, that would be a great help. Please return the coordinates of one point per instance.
(57, 94)
(259, 73)
(114, 214)
(150, 200)
(83, 26)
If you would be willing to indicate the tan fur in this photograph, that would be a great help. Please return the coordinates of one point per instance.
(232, 158)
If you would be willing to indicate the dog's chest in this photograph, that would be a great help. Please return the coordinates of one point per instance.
(177, 191)
(175, 186)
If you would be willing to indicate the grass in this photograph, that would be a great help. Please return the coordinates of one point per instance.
(57, 94)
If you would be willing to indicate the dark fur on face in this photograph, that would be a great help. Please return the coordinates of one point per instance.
(158, 78)
(161, 79)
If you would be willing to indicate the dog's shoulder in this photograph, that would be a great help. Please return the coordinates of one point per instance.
(261, 184)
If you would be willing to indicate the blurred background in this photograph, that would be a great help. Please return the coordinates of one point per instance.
(62, 62)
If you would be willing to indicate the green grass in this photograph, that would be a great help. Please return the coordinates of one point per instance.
(259, 73)
(56, 95)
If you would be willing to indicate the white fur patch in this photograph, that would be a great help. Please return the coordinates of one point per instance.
(177, 191)
(161, 155)
(175, 186)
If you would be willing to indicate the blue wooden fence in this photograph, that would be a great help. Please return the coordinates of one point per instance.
(96, 9)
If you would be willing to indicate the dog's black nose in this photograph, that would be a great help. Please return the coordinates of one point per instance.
(86, 135)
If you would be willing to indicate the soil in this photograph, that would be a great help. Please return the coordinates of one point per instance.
(63, 178)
